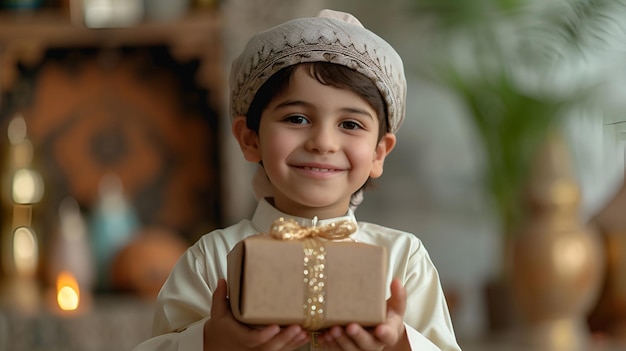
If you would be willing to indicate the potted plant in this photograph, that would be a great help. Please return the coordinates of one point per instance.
(504, 59)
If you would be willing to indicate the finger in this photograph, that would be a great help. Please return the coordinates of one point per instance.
(389, 332)
(299, 340)
(327, 339)
(219, 306)
(273, 338)
(257, 337)
(362, 338)
(342, 340)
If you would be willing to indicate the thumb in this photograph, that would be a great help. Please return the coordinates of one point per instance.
(219, 306)
(397, 302)
(392, 329)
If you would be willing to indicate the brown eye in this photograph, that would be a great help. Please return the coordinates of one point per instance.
(350, 125)
(297, 119)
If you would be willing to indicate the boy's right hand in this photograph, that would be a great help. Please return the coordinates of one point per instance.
(223, 332)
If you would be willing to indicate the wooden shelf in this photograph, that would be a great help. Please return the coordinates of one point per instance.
(56, 28)
(24, 37)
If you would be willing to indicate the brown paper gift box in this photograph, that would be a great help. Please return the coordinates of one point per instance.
(266, 282)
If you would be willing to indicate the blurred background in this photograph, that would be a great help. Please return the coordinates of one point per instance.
(116, 155)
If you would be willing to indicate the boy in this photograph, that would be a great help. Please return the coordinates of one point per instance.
(316, 103)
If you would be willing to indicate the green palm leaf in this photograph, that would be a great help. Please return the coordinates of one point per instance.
(503, 77)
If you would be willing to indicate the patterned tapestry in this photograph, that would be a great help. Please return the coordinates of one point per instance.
(135, 113)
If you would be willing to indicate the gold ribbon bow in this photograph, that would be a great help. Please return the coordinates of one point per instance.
(314, 264)
(288, 229)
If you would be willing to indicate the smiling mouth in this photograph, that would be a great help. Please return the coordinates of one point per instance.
(315, 169)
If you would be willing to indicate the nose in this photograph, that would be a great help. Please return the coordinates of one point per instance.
(323, 139)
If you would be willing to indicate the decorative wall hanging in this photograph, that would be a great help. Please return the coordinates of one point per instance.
(135, 113)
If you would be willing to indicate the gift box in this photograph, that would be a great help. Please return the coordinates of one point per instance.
(312, 282)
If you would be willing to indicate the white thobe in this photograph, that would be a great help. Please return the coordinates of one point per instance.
(184, 302)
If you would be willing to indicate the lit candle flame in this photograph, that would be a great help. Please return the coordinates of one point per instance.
(68, 293)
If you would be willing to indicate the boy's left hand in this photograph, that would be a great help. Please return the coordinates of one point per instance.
(389, 334)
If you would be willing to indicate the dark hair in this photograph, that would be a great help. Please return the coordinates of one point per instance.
(335, 75)
(326, 73)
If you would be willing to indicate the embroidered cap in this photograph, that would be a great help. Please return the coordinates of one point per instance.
(332, 36)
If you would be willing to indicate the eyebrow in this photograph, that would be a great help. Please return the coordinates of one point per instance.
(288, 103)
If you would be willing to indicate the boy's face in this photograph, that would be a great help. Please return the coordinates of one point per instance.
(318, 145)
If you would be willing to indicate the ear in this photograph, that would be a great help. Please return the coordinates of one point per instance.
(384, 147)
(248, 140)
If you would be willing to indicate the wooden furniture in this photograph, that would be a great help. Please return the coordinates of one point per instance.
(25, 36)
(193, 39)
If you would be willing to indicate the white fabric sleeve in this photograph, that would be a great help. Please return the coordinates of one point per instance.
(418, 341)
(427, 317)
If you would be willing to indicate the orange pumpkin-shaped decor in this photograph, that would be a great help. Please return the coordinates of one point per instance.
(144, 264)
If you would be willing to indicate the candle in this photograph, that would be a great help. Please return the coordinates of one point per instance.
(68, 299)
(70, 250)
(68, 292)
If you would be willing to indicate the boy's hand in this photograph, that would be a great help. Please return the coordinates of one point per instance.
(223, 332)
(388, 336)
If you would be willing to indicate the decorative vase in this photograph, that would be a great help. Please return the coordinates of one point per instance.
(143, 265)
(112, 225)
(609, 314)
(557, 260)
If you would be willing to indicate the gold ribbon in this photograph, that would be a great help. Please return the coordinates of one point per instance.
(314, 304)
(289, 229)
(314, 263)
